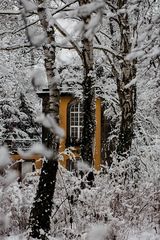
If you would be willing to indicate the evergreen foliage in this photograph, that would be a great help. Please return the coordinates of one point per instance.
(18, 126)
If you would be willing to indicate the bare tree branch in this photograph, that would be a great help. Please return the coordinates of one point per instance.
(110, 5)
(109, 50)
(24, 27)
(110, 38)
(8, 32)
(70, 39)
(15, 47)
(9, 12)
(62, 8)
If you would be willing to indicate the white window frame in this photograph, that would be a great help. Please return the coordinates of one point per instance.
(73, 126)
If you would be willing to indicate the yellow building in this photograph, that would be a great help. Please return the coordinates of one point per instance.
(70, 119)
(70, 113)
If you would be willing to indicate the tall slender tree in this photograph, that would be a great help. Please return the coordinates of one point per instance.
(39, 221)
(88, 85)
(124, 71)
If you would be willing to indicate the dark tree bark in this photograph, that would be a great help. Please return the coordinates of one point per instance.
(127, 98)
(88, 134)
(124, 72)
(108, 143)
(39, 221)
(127, 95)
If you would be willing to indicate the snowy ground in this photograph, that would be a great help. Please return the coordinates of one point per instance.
(104, 210)
(131, 236)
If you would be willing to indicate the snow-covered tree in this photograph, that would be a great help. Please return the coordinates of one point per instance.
(88, 85)
(39, 221)
(125, 39)
(18, 126)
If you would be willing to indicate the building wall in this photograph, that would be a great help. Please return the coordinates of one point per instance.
(63, 116)
(65, 100)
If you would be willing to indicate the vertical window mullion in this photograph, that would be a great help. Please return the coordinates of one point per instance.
(70, 129)
(78, 121)
(75, 121)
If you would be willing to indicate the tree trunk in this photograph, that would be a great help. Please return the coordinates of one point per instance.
(127, 95)
(88, 133)
(124, 72)
(127, 98)
(39, 221)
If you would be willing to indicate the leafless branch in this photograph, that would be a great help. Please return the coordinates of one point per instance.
(24, 17)
(24, 27)
(109, 50)
(106, 51)
(64, 7)
(9, 12)
(7, 32)
(70, 39)
(105, 35)
(110, 5)
(15, 47)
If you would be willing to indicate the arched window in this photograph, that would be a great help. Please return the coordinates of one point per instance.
(75, 122)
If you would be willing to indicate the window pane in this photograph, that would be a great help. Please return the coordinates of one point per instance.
(76, 108)
(27, 167)
(76, 120)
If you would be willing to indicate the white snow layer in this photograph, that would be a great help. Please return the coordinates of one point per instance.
(36, 148)
(4, 157)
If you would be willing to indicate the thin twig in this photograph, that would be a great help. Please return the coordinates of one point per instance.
(59, 206)
(15, 47)
(65, 34)
(66, 194)
(62, 8)
(9, 12)
(24, 27)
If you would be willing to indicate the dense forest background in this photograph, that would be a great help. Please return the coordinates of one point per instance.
(100, 48)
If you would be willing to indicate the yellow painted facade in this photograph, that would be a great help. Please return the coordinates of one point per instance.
(63, 113)
(65, 101)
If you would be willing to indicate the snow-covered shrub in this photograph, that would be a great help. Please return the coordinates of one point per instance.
(109, 207)
(15, 204)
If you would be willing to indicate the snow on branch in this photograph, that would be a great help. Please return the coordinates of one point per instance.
(4, 157)
(36, 39)
(9, 12)
(109, 50)
(83, 166)
(36, 148)
(3, 70)
(10, 175)
(101, 232)
(65, 34)
(110, 5)
(88, 9)
(64, 7)
(28, 5)
(92, 25)
(132, 82)
(48, 121)
(26, 26)
(15, 47)
(39, 78)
